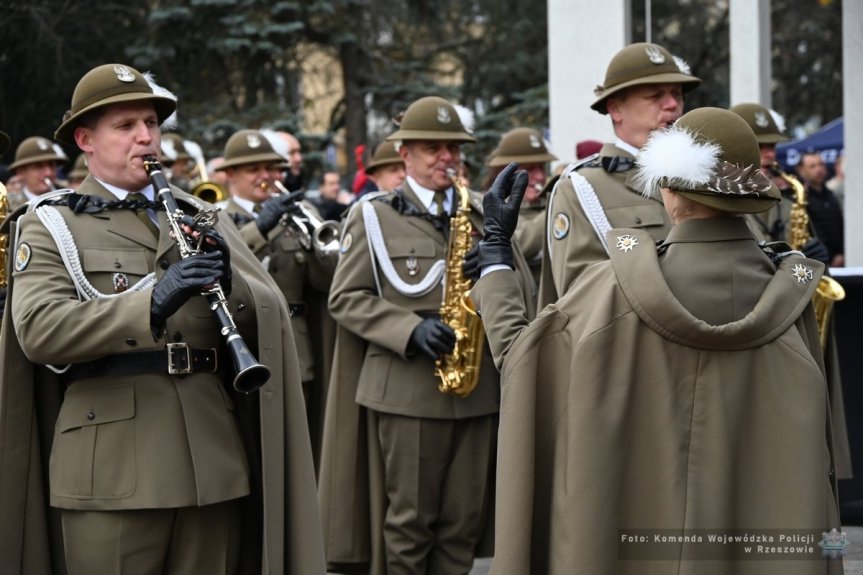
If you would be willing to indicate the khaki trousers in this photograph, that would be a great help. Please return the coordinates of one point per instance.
(188, 540)
(438, 484)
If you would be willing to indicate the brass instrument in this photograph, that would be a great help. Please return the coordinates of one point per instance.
(200, 184)
(829, 290)
(459, 371)
(315, 234)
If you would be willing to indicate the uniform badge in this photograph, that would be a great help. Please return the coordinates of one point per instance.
(346, 243)
(443, 115)
(22, 257)
(120, 281)
(626, 243)
(655, 55)
(300, 257)
(761, 120)
(253, 140)
(803, 274)
(560, 226)
(412, 265)
(124, 74)
(534, 141)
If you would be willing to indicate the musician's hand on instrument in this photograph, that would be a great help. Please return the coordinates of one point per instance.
(470, 266)
(182, 280)
(433, 338)
(215, 242)
(815, 249)
(500, 206)
(273, 209)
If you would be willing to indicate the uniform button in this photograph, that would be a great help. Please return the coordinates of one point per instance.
(118, 265)
(637, 220)
(164, 264)
(91, 416)
(131, 341)
(412, 250)
(241, 307)
(177, 336)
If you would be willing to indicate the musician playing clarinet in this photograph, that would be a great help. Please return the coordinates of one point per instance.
(152, 461)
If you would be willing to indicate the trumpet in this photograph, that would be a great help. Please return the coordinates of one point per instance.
(315, 234)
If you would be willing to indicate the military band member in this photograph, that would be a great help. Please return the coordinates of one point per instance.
(264, 218)
(36, 163)
(415, 498)
(676, 389)
(385, 171)
(156, 464)
(526, 147)
(643, 91)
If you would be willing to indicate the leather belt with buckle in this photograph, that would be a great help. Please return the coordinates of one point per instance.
(176, 359)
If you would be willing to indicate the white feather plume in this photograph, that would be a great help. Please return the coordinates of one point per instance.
(168, 149)
(674, 158)
(278, 143)
(170, 122)
(682, 65)
(779, 119)
(467, 117)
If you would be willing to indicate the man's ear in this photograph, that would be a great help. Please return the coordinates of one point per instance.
(83, 138)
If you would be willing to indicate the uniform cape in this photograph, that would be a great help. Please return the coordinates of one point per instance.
(30, 397)
(588, 378)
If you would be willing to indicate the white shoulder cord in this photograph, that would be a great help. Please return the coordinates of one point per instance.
(378, 247)
(590, 205)
(56, 225)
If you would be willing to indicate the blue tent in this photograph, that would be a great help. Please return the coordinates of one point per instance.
(829, 140)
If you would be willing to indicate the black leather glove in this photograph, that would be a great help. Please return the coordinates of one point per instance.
(815, 249)
(432, 337)
(273, 209)
(183, 279)
(214, 242)
(470, 266)
(501, 216)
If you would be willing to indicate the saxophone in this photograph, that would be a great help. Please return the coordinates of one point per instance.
(4, 238)
(829, 290)
(459, 371)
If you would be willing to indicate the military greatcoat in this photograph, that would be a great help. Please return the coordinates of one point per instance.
(152, 440)
(672, 394)
(571, 242)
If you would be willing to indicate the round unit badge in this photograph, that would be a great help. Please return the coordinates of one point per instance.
(560, 226)
(22, 257)
(346, 243)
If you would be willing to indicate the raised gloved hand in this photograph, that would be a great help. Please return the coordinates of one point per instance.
(470, 265)
(183, 279)
(273, 209)
(815, 249)
(213, 241)
(501, 216)
(433, 338)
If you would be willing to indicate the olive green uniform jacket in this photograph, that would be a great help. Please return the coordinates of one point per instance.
(163, 441)
(571, 242)
(372, 368)
(530, 235)
(683, 391)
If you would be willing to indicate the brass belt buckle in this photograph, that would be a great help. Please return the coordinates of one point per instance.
(179, 358)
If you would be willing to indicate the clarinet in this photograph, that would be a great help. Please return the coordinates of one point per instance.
(251, 375)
